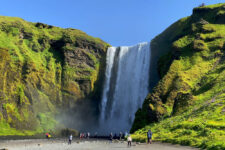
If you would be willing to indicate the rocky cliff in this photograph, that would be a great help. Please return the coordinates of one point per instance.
(44, 69)
(187, 105)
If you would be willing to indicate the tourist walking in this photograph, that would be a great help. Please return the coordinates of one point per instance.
(70, 139)
(111, 137)
(149, 136)
(129, 140)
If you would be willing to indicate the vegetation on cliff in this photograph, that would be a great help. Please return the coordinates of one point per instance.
(188, 104)
(44, 69)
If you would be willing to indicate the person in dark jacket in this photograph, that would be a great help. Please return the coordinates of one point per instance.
(149, 136)
(111, 137)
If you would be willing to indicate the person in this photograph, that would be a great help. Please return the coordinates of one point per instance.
(88, 135)
(115, 136)
(96, 134)
(111, 137)
(149, 136)
(121, 135)
(49, 136)
(129, 140)
(46, 135)
(126, 134)
(80, 135)
(83, 135)
(70, 139)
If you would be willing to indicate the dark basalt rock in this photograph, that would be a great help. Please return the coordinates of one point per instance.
(78, 58)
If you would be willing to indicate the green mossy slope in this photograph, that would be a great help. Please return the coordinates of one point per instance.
(188, 104)
(43, 69)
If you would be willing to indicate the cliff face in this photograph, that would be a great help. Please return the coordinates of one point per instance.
(188, 101)
(44, 69)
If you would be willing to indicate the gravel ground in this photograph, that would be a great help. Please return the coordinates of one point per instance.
(60, 144)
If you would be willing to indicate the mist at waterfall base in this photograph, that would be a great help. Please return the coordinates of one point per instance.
(81, 116)
(125, 88)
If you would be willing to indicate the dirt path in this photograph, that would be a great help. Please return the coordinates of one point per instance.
(83, 145)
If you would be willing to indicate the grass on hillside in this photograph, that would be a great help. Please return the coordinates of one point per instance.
(196, 74)
(201, 126)
(32, 64)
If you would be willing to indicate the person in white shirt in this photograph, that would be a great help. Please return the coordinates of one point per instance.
(70, 139)
(129, 140)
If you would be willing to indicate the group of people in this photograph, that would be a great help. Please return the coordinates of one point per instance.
(120, 136)
(129, 138)
(111, 137)
(85, 135)
(48, 135)
(149, 138)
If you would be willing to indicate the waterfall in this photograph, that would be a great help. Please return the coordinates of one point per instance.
(125, 87)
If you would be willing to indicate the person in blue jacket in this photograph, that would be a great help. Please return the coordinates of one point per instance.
(149, 136)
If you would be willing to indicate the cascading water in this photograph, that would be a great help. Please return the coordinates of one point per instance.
(125, 87)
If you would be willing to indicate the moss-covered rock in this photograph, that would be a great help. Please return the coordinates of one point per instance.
(44, 69)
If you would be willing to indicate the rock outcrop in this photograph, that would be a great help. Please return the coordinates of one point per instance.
(44, 69)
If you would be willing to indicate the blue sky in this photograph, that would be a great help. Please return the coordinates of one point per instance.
(118, 22)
